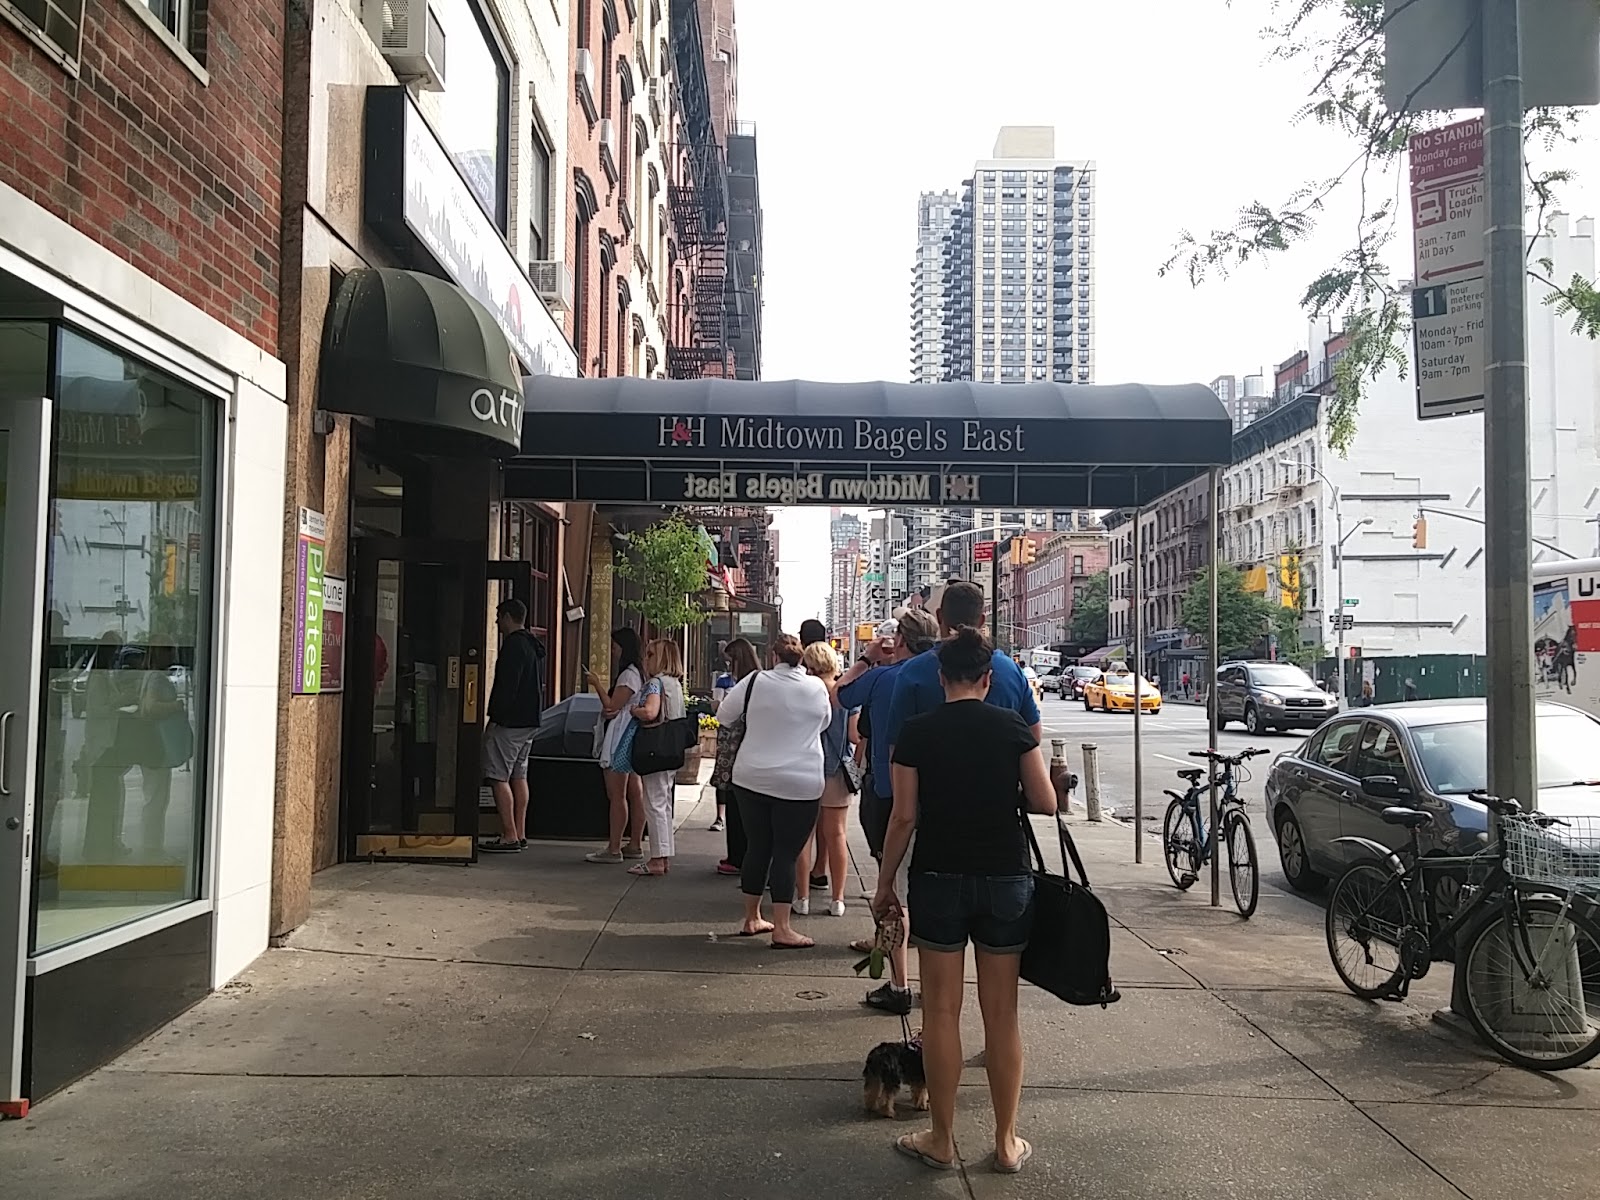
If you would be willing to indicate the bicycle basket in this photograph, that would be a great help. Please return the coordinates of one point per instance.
(1566, 855)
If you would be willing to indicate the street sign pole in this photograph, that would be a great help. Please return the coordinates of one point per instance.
(1507, 525)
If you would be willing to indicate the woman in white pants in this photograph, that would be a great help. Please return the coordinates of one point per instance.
(661, 700)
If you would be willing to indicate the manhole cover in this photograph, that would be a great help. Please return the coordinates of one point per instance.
(811, 995)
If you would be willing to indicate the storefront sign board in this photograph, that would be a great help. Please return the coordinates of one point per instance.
(310, 555)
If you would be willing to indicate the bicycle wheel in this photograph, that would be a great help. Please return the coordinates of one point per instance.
(1180, 845)
(1533, 984)
(1368, 914)
(1243, 871)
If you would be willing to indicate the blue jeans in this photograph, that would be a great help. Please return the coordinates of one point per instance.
(994, 911)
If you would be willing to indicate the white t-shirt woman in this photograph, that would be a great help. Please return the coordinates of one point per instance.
(618, 738)
(781, 754)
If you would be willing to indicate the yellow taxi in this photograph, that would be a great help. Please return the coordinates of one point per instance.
(1113, 692)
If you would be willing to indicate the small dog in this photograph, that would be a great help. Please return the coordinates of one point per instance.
(891, 1066)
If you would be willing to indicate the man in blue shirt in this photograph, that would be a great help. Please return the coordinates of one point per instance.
(869, 685)
(917, 689)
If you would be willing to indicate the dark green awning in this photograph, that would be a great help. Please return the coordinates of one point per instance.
(408, 347)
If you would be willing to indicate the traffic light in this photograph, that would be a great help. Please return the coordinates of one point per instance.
(861, 566)
(1419, 534)
(1029, 550)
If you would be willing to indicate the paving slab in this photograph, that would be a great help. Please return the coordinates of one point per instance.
(1491, 1153)
(1219, 956)
(1157, 1040)
(1377, 1052)
(182, 1138)
(312, 1013)
(1120, 1147)
(551, 920)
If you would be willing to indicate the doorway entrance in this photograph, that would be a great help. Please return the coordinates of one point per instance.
(419, 687)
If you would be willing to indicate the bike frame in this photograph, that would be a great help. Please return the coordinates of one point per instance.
(1191, 804)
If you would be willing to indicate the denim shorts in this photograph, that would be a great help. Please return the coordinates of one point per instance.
(994, 911)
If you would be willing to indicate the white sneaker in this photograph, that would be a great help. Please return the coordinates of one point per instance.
(801, 907)
(836, 909)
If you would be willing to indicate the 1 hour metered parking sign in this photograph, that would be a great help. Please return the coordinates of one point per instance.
(1447, 296)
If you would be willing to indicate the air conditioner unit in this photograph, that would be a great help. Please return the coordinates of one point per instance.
(408, 34)
(583, 76)
(552, 280)
(608, 142)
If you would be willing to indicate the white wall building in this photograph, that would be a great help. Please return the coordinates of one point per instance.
(1426, 600)
(935, 212)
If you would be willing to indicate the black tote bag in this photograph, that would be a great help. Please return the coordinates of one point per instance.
(1069, 950)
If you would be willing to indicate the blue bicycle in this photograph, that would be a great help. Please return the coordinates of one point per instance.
(1187, 845)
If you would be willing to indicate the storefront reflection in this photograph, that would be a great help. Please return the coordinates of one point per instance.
(128, 597)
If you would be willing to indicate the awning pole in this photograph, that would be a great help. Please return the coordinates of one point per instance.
(1138, 681)
(1215, 555)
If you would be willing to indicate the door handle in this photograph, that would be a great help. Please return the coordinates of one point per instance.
(5, 752)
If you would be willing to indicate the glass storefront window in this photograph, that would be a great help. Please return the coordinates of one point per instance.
(128, 601)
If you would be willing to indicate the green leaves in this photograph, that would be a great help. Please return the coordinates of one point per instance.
(1243, 618)
(667, 562)
(1340, 44)
(1091, 614)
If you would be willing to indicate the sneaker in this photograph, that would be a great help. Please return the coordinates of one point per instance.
(716, 826)
(836, 908)
(727, 868)
(890, 999)
(602, 856)
(523, 843)
(819, 883)
(500, 846)
(801, 907)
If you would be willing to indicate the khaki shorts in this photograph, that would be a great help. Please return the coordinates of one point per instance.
(505, 752)
(834, 793)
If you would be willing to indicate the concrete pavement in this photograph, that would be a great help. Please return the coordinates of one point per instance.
(536, 1026)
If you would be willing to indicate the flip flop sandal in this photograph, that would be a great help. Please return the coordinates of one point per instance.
(752, 933)
(1012, 1168)
(641, 869)
(794, 945)
(904, 1146)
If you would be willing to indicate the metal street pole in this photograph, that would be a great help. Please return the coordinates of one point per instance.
(1138, 675)
(1508, 600)
(1211, 682)
(1338, 571)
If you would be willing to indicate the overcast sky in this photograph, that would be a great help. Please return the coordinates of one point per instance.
(860, 107)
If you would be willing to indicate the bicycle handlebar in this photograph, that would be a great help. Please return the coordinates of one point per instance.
(1235, 759)
(1501, 808)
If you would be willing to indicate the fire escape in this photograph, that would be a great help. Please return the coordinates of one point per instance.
(697, 192)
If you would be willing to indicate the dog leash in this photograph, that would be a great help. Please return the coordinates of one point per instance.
(905, 1029)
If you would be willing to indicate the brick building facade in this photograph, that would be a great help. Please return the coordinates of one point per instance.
(142, 421)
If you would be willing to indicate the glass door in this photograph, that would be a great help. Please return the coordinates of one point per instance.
(418, 615)
(24, 448)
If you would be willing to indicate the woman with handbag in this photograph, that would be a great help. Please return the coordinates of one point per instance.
(624, 789)
(838, 789)
(742, 663)
(775, 766)
(660, 704)
(958, 774)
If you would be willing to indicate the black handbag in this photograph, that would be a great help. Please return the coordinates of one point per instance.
(663, 747)
(1069, 950)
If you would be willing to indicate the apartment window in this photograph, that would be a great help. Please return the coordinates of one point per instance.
(583, 24)
(58, 24)
(1077, 569)
(988, 210)
(175, 17)
(1083, 228)
(580, 300)
(539, 199)
(472, 115)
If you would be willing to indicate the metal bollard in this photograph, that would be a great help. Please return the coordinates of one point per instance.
(1091, 780)
(1059, 774)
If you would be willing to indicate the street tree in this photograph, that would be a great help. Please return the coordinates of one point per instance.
(667, 564)
(1340, 43)
(1091, 612)
(1243, 618)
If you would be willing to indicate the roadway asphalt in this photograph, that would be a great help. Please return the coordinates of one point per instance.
(1166, 739)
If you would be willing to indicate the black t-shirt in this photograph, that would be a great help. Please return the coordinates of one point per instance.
(968, 756)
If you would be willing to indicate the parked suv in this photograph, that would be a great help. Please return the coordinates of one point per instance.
(1270, 695)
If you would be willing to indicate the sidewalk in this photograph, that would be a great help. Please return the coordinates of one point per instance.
(536, 1026)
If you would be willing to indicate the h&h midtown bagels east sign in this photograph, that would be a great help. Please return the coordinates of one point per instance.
(858, 436)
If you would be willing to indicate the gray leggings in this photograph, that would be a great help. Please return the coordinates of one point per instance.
(776, 830)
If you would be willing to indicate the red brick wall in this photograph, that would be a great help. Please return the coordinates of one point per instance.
(178, 178)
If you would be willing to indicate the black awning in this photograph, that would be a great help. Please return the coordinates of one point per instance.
(413, 348)
(1040, 445)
